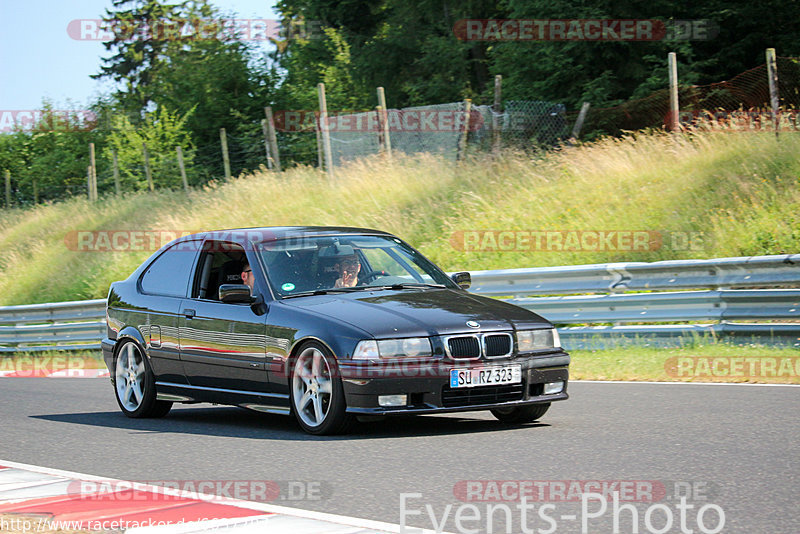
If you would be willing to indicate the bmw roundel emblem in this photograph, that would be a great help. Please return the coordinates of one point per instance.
(473, 324)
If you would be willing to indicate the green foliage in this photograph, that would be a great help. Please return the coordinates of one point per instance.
(49, 161)
(411, 48)
(217, 76)
(161, 131)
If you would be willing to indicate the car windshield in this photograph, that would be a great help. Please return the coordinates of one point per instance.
(303, 265)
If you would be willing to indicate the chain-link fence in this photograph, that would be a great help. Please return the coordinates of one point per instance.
(744, 99)
(440, 128)
(525, 124)
(353, 136)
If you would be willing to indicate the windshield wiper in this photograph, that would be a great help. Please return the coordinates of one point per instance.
(326, 291)
(411, 285)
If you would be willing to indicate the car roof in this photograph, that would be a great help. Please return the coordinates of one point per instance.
(270, 233)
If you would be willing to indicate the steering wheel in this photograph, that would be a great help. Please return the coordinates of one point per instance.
(371, 275)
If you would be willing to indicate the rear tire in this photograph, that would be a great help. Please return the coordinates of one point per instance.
(134, 383)
(521, 414)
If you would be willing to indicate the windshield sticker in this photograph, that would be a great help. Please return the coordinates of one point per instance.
(288, 286)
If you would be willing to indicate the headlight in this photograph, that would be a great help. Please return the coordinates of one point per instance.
(412, 347)
(528, 340)
(366, 350)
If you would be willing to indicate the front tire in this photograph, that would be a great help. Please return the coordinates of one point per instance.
(521, 414)
(134, 384)
(317, 394)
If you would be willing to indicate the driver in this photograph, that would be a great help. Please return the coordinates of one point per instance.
(348, 268)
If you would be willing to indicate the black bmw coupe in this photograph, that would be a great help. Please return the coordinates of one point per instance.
(328, 324)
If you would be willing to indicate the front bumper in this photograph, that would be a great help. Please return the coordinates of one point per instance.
(427, 385)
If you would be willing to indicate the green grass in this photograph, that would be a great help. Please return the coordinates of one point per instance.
(694, 363)
(738, 192)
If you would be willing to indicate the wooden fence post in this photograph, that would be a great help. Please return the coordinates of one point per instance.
(147, 167)
(674, 119)
(326, 136)
(89, 182)
(576, 130)
(266, 143)
(320, 150)
(226, 160)
(498, 94)
(462, 144)
(273, 139)
(179, 150)
(772, 74)
(93, 163)
(384, 114)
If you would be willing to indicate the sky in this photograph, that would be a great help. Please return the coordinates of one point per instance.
(39, 59)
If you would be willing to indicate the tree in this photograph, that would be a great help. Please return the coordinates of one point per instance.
(141, 46)
(190, 61)
(162, 131)
(49, 160)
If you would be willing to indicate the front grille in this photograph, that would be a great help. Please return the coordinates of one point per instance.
(464, 347)
(497, 345)
(481, 395)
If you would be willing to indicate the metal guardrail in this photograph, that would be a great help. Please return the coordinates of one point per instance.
(721, 273)
(81, 324)
(73, 325)
(728, 305)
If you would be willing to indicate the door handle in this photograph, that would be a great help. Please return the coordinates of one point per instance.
(189, 313)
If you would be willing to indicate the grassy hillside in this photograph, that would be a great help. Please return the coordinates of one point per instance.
(735, 194)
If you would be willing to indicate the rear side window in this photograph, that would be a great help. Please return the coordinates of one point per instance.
(169, 274)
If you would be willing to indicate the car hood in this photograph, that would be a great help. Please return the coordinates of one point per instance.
(415, 312)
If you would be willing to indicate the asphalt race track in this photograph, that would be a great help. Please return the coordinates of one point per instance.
(732, 451)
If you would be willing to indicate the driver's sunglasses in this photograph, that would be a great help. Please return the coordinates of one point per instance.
(351, 262)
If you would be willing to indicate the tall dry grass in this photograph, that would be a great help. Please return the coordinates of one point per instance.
(739, 192)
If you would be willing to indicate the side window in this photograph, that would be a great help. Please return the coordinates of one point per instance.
(169, 274)
(221, 262)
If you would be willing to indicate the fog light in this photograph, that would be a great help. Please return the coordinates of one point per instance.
(392, 400)
(553, 387)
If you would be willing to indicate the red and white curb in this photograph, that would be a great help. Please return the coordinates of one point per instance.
(53, 496)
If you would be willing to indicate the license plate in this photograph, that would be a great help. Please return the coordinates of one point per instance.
(485, 376)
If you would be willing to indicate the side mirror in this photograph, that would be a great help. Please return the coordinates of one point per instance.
(464, 280)
(235, 294)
